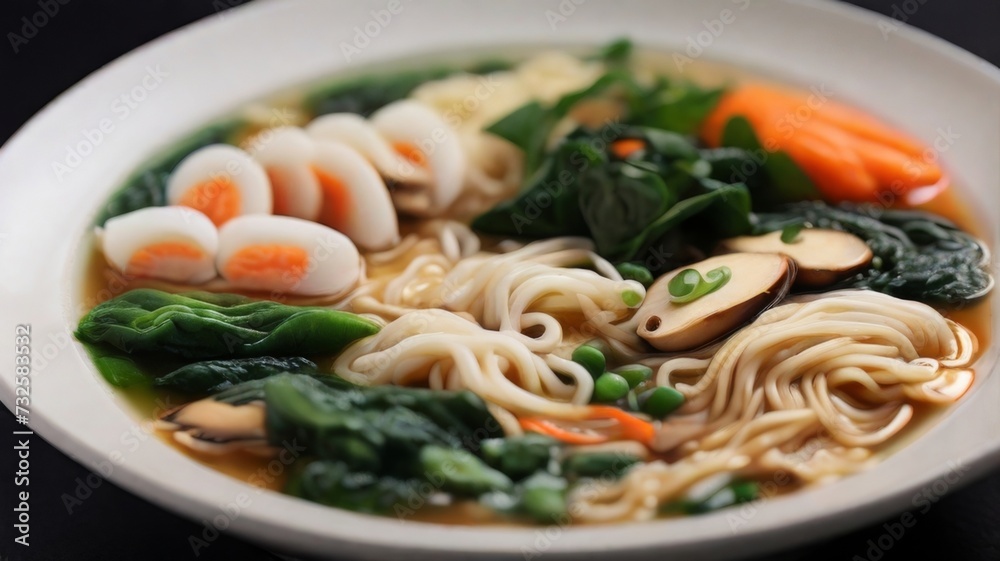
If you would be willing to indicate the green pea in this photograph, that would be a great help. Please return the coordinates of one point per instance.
(634, 374)
(591, 358)
(660, 402)
(609, 387)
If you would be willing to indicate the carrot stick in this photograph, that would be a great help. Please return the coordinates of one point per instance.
(849, 155)
(632, 427)
(864, 126)
(836, 170)
(569, 437)
(894, 168)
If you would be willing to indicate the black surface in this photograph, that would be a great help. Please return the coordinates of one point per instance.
(111, 524)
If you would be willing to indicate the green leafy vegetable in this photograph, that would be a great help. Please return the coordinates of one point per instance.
(680, 107)
(548, 206)
(369, 448)
(203, 326)
(626, 206)
(377, 431)
(332, 483)
(677, 107)
(212, 376)
(117, 369)
(543, 497)
(520, 456)
(917, 256)
(460, 472)
(689, 285)
(733, 493)
(617, 51)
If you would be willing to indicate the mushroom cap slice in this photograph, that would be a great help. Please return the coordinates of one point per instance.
(758, 281)
(823, 256)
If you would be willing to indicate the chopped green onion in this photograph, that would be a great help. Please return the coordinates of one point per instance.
(636, 272)
(631, 298)
(688, 285)
(591, 358)
(790, 233)
(634, 374)
(736, 492)
(609, 387)
(632, 401)
(660, 402)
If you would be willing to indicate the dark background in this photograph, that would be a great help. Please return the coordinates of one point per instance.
(114, 525)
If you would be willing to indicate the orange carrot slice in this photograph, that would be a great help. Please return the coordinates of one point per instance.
(632, 427)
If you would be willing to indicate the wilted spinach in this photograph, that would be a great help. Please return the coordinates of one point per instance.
(369, 448)
(917, 255)
(211, 376)
(626, 205)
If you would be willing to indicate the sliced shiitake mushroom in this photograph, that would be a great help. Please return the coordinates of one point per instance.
(215, 427)
(758, 281)
(823, 256)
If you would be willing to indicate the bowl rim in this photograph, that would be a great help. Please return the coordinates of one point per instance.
(258, 524)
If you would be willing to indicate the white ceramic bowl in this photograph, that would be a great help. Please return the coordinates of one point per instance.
(191, 76)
